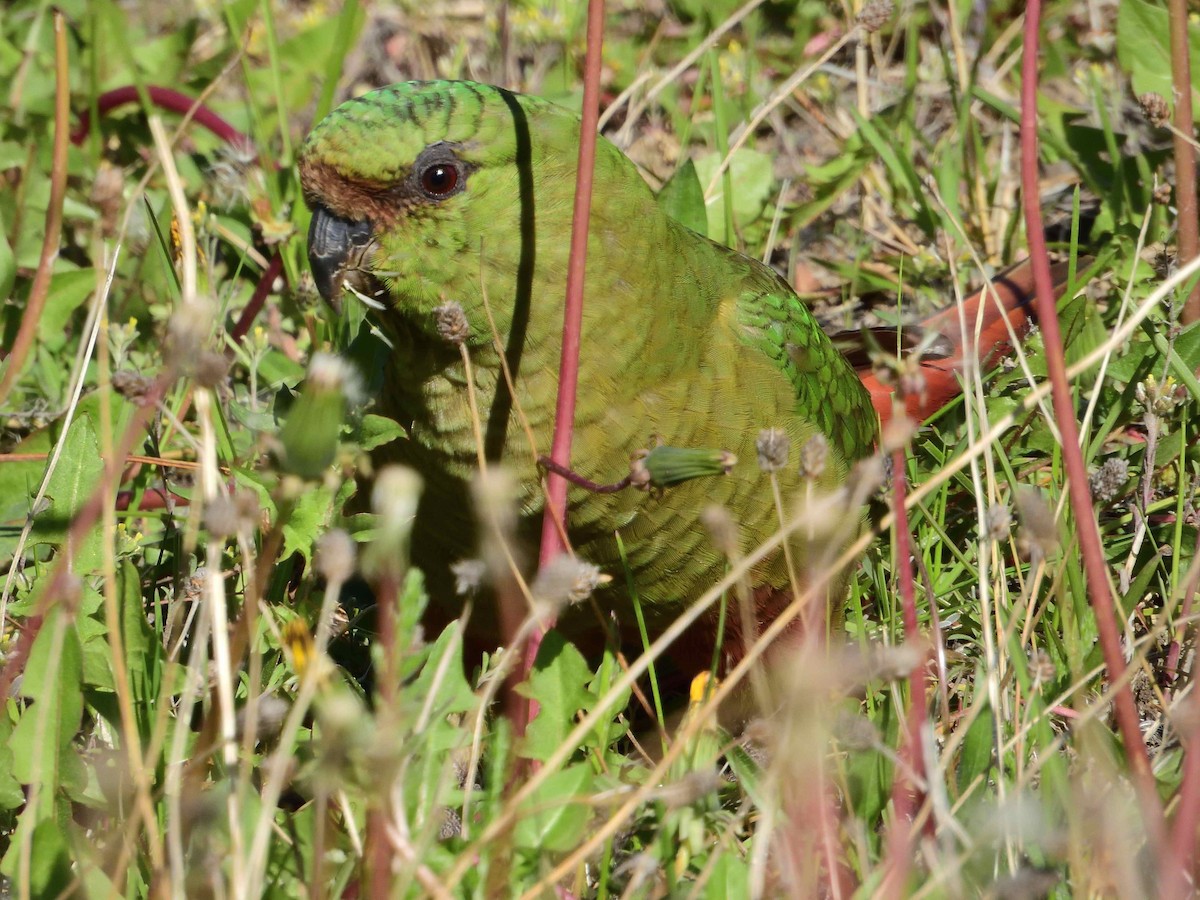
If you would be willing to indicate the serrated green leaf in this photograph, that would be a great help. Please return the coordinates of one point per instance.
(558, 683)
(74, 480)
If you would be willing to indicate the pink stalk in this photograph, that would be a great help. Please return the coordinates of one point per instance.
(166, 98)
(568, 370)
(906, 798)
(1185, 153)
(1099, 591)
(1183, 834)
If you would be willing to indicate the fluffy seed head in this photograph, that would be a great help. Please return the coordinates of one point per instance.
(773, 446)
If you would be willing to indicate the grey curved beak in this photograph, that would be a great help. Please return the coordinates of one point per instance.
(331, 241)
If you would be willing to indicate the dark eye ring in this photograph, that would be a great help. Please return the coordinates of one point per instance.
(440, 179)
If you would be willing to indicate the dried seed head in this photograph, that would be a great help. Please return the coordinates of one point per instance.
(1162, 194)
(856, 732)
(210, 369)
(875, 15)
(722, 529)
(107, 195)
(773, 446)
(468, 576)
(813, 456)
(565, 581)
(394, 501)
(330, 372)
(1154, 108)
(190, 326)
(1042, 666)
(494, 492)
(221, 517)
(997, 520)
(695, 785)
(269, 715)
(1107, 481)
(131, 385)
(336, 556)
(452, 324)
(247, 506)
(1038, 529)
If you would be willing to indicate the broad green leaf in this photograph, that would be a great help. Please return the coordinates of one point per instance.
(375, 431)
(753, 178)
(555, 817)
(976, 756)
(8, 267)
(682, 198)
(53, 684)
(1144, 47)
(11, 795)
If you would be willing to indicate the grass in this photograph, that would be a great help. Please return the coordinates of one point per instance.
(203, 697)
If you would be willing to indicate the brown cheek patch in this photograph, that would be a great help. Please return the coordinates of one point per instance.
(379, 203)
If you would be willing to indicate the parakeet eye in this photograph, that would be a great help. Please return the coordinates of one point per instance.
(440, 179)
(438, 172)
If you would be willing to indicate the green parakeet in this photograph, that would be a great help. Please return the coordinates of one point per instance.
(425, 194)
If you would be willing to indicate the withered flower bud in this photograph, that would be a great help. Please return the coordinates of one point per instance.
(1154, 108)
(1107, 481)
(875, 15)
(452, 325)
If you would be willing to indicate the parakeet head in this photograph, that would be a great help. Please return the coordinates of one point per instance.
(425, 192)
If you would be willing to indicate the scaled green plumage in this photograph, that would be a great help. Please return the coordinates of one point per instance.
(684, 341)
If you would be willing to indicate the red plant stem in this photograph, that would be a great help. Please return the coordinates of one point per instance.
(40, 288)
(1099, 591)
(1185, 153)
(1183, 834)
(568, 370)
(166, 98)
(906, 797)
(261, 291)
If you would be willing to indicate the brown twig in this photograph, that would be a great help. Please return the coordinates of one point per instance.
(1099, 590)
(1185, 153)
(50, 242)
(586, 483)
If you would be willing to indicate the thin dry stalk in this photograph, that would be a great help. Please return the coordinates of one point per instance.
(39, 290)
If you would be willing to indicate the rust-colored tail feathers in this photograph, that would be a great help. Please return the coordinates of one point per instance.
(1007, 302)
